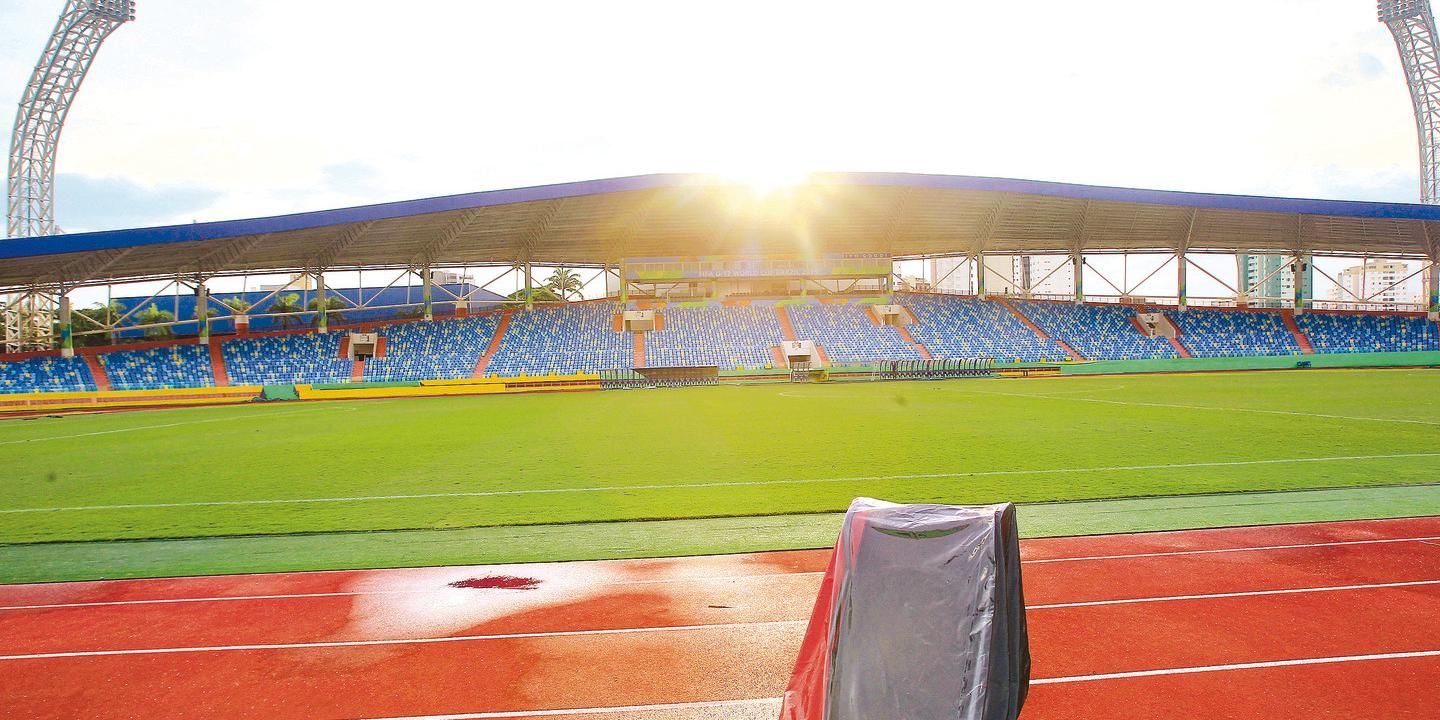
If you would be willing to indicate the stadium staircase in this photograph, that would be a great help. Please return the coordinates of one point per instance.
(1179, 347)
(1300, 338)
(907, 337)
(217, 365)
(97, 372)
(495, 340)
(1173, 339)
(786, 328)
(639, 345)
(1025, 320)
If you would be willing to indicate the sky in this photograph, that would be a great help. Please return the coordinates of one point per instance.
(203, 111)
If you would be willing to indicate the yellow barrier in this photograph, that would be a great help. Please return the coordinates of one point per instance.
(307, 392)
(33, 402)
(462, 386)
(518, 379)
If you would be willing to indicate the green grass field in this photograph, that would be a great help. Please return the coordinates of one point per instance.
(760, 450)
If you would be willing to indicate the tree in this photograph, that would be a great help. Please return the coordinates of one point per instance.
(565, 283)
(331, 305)
(287, 306)
(238, 305)
(94, 318)
(539, 294)
(153, 315)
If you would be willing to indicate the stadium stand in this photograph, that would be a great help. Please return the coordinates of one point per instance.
(714, 334)
(1333, 333)
(847, 334)
(159, 368)
(563, 339)
(45, 374)
(1226, 333)
(437, 350)
(1099, 332)
(956, 327)
(286, 359)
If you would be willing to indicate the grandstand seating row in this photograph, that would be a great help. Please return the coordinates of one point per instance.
(581, 338)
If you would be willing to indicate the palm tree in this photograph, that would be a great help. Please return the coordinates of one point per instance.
(565, 283)
(287, 305)
(97, 317)
(331, 305)
(539, 294)
(238, 305)
(153, 315)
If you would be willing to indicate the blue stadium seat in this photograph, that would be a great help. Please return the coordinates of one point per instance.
(956, 327)
(847, 334)
(438, 350)
(1335, 333)
(159, 368)
(1099, 332)
(45, 374)
(286, 359)
(1230, 333)
(563, 339)
(715, 334)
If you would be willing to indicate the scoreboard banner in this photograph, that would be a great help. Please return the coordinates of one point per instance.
(720, 267)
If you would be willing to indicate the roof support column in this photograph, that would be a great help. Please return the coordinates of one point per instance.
(202, 312)
(1077, 262)
(1182, 298)
(529, 287)
(322, 306)
(427, 282)
(67, 328)
(624, 284)
(1432, 282)
(1299, 264)
(980, 274)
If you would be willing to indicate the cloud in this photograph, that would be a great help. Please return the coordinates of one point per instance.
(84, 203)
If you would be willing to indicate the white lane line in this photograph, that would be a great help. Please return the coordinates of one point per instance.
(1172, 553)
(171, 425)
(427, 591)
(399, 641)
(1036, 681)
(749, 483)
(703, 705)
(1235, 666)
(355, 593)
(1247, 593)
(1057, 396)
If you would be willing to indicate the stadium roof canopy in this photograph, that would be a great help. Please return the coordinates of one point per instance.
(603, 221)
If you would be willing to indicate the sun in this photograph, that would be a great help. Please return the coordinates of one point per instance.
(765, 180)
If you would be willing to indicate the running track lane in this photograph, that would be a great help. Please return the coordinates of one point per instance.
(718, 663)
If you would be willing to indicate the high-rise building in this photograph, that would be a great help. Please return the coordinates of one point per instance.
(1269, 287)
(1045, 274)
(1381, 281)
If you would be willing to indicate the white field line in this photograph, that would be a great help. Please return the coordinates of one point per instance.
(1036, 681)
(1236, 666)
(232, 418)
(1057, 396)
(702, 705)
(772, 576)
(1247, 593)
(400, 641)
(410, 591)
(1173, 553)
(744, 483)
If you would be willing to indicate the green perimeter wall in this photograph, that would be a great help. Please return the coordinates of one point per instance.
(1423, 358)
(1271, 362)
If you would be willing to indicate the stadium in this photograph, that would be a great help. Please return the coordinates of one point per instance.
(583, 449)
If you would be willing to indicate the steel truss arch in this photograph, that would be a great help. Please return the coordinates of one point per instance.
(1413, 26)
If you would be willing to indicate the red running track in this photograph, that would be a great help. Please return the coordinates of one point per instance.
(1301, 621)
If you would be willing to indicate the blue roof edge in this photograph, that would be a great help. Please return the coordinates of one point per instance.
(118, 239)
